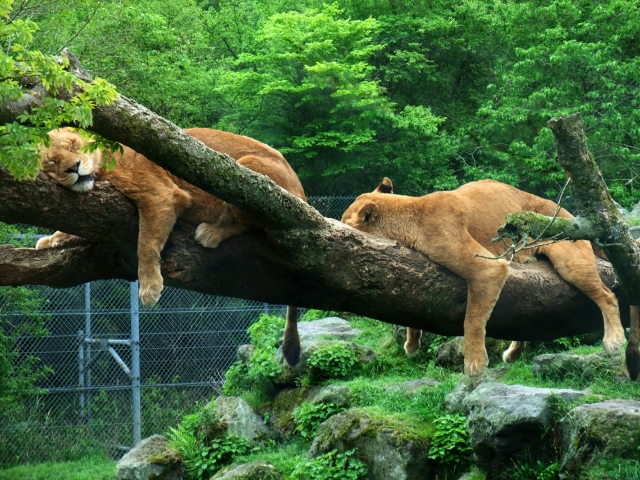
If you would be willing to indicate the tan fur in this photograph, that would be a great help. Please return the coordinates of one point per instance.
(162, 197)
(452, 228)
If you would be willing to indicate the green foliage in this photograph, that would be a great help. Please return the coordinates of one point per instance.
(335, 360)
(450, 443)
(95, 467)
(19, 374)
(264, 335)
(20, 141)
(534, 471)
(204, 457)
(311, 315)
(331, 466)
(308, 417)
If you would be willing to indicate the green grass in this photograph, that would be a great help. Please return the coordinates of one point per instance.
(284, 457)
(91, 468)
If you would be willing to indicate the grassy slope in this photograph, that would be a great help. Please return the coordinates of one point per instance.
(92, 468)
(393, 366)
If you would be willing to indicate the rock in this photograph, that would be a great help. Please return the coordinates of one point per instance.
(287, 401)
(589, 432)
(249, 471)
(151, 458)
(453, 402)
(331, 328)
(390, 448)
(586, 367)
(237, 415)
(508, 422)
(412, 387)
(289, 375)
(450, 353)
(244, 353)
(635, 231)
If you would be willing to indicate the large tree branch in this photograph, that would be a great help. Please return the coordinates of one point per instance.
(336, 268)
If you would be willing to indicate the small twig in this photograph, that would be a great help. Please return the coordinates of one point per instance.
(524, 244)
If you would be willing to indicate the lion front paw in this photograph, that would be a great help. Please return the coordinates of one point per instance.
(476, 364)
(208, 235)
(150, 294)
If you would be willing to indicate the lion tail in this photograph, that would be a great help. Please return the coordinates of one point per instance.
(632, 353)
(291, 342)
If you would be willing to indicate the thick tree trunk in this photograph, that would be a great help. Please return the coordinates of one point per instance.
(299, 259)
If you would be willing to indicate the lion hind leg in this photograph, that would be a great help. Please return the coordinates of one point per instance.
(412, 345)
(514, 352)
(291, 342)
(56, 240)
(575, 262)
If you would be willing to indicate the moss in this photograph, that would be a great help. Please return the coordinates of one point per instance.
(283, 406)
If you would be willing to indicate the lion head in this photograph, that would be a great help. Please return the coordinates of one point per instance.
(363, 213)
(65, 163)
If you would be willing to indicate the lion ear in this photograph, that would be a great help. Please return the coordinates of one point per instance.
(368, 214)
(74, 144)
(385, 187)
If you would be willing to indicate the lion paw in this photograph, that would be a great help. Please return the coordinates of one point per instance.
(614, 342)
(476, 366)
(207, 235)
(411, 348)
(149, 295)
(513, 353)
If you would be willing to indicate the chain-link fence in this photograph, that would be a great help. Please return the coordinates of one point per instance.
(121, 371)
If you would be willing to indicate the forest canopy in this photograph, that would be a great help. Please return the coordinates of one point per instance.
(432, 95)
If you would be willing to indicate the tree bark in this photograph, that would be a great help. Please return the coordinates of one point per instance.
(300, 258)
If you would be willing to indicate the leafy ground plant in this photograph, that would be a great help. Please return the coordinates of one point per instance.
(335, 360)
(450, 443)
(331, 466)
(308, 417)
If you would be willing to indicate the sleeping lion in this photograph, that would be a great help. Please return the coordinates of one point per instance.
(162, 197)
(453, 228)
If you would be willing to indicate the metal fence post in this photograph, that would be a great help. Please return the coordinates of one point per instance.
(87, 355)
(81, 371)
(135, 362)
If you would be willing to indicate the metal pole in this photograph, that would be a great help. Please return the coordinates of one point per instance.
(87, 346)
(135, 362)
(81, 371)
(265, 305)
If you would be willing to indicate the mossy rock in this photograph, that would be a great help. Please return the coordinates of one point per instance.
(594, 431)
(233, 416)
(150, 459)
(586, 367)
(283, 406)
(249, 471)
(389, 446)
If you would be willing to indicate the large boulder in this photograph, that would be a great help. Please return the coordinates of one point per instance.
(237, 416)
(330, 328)
(150, 459)
(289, 375)
(454, 401)
(586, 367)
(283, 406)
(590, 432)
(508, 423)
(249, 471)
(390, 448)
